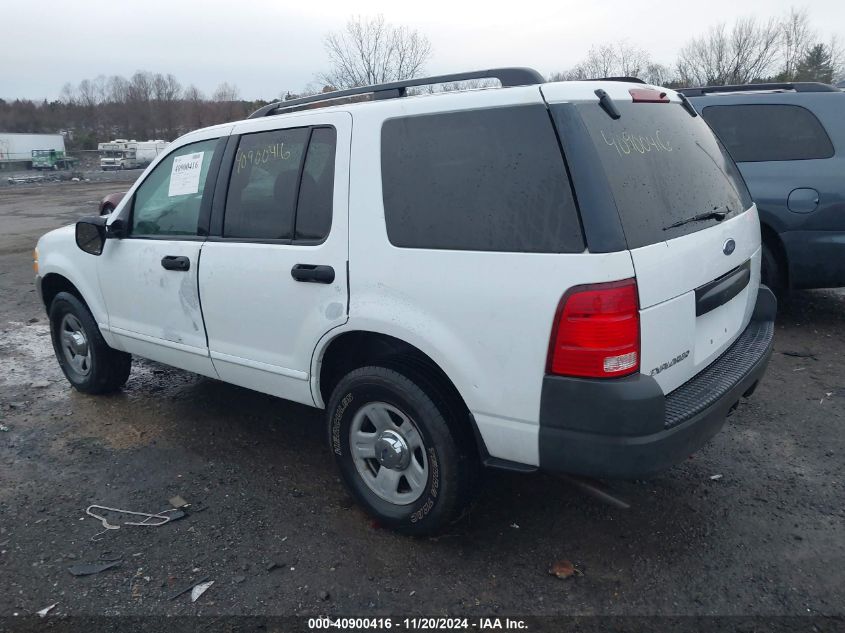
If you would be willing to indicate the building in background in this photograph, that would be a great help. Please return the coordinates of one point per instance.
(16, 149)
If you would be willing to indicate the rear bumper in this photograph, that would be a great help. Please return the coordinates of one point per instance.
(626, 427)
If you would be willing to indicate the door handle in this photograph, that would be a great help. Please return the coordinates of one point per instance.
(175, 262)
(313, 273)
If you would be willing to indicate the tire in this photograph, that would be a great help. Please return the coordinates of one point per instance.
(89, 364)
(107, 208)
(772, 273)
(428, 471)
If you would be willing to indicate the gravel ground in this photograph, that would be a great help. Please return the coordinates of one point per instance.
(754, 524)
(51, 177)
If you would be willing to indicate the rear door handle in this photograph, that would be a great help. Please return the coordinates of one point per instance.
(175, 262)
(313, 273)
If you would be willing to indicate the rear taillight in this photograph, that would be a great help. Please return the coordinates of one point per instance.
(596, 333)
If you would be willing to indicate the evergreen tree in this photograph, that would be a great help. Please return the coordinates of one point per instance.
(816, 65)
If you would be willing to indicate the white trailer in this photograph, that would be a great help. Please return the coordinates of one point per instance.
(16, 149)
(124, 154)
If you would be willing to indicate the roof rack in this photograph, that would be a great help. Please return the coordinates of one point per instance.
(801, 86)
(629, 80)
(507, 76)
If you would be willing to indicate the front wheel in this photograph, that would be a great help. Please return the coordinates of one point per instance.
(87, 361)
(399, 449)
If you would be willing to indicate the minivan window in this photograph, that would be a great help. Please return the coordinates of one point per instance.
(168, 201)
(663, 166)
(262, 189)
(481, 180)
(764, 132)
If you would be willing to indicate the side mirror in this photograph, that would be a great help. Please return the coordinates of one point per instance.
(91, 234)
(116, 230)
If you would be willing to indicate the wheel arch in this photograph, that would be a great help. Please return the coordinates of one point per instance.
(354, 348)
(771, 238)
(54, 283)
(77, 276)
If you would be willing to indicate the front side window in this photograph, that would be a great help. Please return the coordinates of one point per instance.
(769, 132)
(168, 201)
(480, 180)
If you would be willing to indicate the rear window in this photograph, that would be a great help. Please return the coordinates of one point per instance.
(481, 180)
(764, 132)
(663, 166)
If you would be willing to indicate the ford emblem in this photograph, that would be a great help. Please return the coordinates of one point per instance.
(729, 246)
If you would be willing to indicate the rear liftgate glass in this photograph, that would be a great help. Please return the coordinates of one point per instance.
(664, 166)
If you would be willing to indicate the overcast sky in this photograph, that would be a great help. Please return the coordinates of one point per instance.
(266, 47)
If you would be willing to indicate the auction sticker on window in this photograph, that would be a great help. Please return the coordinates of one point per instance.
(185, 175)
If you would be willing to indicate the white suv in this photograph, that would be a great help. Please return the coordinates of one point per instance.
(563, 276)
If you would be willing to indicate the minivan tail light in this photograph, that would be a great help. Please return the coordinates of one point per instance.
(596, 333)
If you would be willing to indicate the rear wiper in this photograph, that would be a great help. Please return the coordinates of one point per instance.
(715, 214)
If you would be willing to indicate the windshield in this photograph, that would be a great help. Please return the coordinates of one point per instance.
(664, 167)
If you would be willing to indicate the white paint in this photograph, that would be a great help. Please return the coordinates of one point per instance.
(262, 324)
(485, 318)
(667, 275)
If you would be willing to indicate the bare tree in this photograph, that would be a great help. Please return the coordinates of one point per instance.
(746, 52)
(620, 60)
(798, 37)
(87, 94)
(68, 94)
(194, 115)
(117, 89)
(227, 102)
(371, 51)
(837, 58)
(601, 62)
(167, 91)
(657, 75)
(631, 61)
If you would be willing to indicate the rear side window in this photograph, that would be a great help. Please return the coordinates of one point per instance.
(481, 180)
(261, 200)
(663, 167)
(316, 194)
(765, 132)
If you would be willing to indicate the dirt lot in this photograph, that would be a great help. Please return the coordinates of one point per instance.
(767, 537)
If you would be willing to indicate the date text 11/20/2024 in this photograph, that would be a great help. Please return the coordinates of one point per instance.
(418, 624)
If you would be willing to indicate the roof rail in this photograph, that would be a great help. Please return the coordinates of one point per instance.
(629, 80)
(800, 86)
(507, 76)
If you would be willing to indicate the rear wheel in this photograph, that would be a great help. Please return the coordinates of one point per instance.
(772, 271)
(398, 451)
(107, 208)
(87, 361)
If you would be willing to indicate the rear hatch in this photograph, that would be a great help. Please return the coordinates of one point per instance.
(688, 221)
